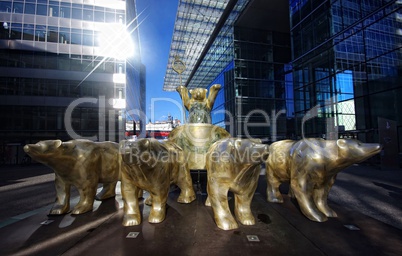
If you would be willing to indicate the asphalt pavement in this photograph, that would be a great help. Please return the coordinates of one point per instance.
(367, 200)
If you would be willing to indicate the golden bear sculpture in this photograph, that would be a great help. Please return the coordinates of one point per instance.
(199, 106)
(311, 165)
(153, 166)
(82, 164)
(233, 165)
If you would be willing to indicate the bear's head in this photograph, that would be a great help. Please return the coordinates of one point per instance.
(43, 150)
(354, 151)
(198, 94)
(145, 152)
(44, 147)
(253, 149)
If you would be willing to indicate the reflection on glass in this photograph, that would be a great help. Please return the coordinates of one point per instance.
(28, 32)
(41, 9)
(29, 8)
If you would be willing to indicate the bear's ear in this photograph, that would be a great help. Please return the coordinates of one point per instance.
(341, 143)
(57, 143)
(147, 144)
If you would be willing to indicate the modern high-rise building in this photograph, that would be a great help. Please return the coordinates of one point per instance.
(244, 46)
(347, 67)
(68, 69)
(338, 74)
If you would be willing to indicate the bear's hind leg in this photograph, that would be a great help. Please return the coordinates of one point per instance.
(148, 201)
(158, 208)
(108, 191)
(273, 193)
(185, 183)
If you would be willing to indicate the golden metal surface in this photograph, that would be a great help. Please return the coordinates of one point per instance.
(195, 140)
(311, 165)
(82, 164)
(153, 166)
(233, 165)
(178, 66)
(199, 106)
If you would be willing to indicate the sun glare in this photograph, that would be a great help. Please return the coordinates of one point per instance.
(115, 41)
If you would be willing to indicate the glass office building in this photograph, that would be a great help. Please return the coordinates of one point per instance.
(62, 74)
(347, 66)
(343, 78)
(245, 47)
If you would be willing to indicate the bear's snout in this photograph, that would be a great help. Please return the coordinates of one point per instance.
(33, 148)
(26, 148)
(371, 148)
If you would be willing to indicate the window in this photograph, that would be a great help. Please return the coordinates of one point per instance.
(76, 12)
(76, 36)
(5, 6)
(110, 15)
(65, 10)
(88, 38)
(16, 31)
(18, 7)
(53, 9)
(99, 16)
(64, 36)
(29, 8)
(52, 34)
(88, 13)
(28, 33)
(40, 33)
(41, 9)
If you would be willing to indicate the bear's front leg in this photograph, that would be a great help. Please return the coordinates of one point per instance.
(132, 215)
(129, 192)
(273, 193)
(242, 208)
(87, 197)
(218, 198)
(158, 210)
(321, 197)
(303, 190)
(108, 191)
(244, 198)
(62, 204)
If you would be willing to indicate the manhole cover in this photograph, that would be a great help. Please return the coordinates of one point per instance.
(253, 238)
(351, 227)
(132, 235)
(46, 222)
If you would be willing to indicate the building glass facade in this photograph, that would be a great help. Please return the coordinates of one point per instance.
(259, 89)
(249, 62)
(347, 66)
(60, 73)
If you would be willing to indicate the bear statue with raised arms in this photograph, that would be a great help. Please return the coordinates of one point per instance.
(199, 106)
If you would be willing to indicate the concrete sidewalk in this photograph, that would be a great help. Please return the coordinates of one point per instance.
(189, 229)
